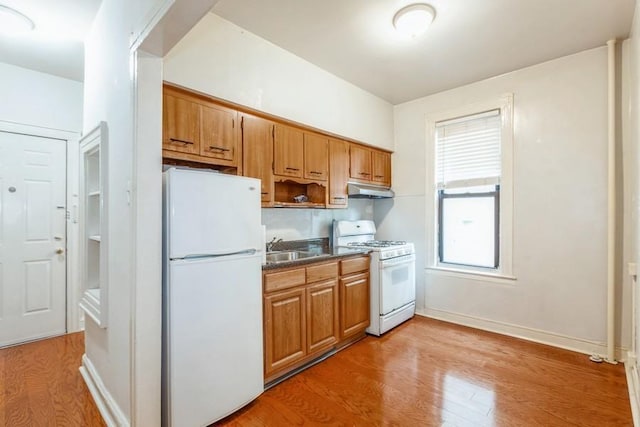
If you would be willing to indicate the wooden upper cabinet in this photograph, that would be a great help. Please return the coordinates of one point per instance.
(218, 137)
(198, 130)
(338, 173)
(180, 124)
(370, 165)
(381, 165)
(257, 146)
(360, 167)
(316, 157)
(288, 157)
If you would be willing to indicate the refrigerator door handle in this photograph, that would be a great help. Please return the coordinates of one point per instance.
(243, 252)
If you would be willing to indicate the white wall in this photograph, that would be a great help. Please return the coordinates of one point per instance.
(559, 215)
(39, 99)
(109, 96)
(221, 59)
(301, 224)
(626, 182)
(630, 115)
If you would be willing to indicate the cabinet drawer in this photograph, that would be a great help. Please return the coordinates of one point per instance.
(354, 265)
(316, 273)
(284, 279)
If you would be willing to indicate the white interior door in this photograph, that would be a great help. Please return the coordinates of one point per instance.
(32, 237)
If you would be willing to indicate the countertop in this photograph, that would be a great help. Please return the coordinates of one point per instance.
(325, 254)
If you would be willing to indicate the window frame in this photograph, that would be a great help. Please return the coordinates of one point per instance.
(504, 214)
(495, 194)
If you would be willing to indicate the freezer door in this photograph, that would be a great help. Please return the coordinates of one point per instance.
(211, 213)
(213, 339)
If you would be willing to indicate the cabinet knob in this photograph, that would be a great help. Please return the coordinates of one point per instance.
(59, 251)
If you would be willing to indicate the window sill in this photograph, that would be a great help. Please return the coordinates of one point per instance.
(472, 275)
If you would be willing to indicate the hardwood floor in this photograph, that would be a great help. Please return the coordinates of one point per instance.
(431, 373)
(40, 385)
(423, 373)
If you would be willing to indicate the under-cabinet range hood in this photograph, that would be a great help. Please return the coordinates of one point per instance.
(364, 191)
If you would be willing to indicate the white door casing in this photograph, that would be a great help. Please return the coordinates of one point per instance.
(32, 237)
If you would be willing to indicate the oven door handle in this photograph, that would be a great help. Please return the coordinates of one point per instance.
(392, 262)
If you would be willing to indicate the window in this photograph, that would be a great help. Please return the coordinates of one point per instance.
(472, 188)
(468, 223)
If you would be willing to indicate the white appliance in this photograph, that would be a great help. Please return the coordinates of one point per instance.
(212, 296)
(393, 276)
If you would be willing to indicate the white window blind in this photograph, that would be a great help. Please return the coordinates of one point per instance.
(468, 151)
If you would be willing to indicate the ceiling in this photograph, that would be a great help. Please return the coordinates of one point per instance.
(469, 40)
(56, 45)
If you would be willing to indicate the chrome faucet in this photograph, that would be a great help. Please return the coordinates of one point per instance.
(271, 243)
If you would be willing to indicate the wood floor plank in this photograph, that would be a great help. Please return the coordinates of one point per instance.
(432, 373)
(41, 385)
(423, 373)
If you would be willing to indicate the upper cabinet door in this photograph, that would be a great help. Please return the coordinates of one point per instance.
(338, 173)
(288, 152)
(360, 163)
(381, 161)
(218, 133)
(316, 157)
(181, 124)
(257, 146)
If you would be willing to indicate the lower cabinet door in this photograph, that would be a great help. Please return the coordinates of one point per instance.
(354, 304)
(322, 316)
(284, 329)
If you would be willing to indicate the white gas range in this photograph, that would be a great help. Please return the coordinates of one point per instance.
(393, 280)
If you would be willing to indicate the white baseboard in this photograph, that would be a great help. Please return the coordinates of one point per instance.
(109, 409)
(530, 334)
(631, 369)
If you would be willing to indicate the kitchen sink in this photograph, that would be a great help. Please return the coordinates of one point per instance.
(285, 256)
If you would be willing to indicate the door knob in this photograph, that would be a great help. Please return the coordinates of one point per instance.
(59, 251)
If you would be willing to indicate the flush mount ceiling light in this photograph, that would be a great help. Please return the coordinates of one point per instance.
(413, 20)
(14, 22)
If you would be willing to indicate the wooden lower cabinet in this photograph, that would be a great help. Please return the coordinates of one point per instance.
(354, 304)
(322, 316)
(311, 310)
(284, 329)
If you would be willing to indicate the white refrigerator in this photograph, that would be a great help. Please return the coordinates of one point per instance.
(212, 296)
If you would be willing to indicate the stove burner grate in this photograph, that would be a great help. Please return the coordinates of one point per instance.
(378, 243)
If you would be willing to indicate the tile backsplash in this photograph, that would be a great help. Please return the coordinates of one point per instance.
(300, 224)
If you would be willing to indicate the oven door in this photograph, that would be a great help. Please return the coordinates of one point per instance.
(397, 282)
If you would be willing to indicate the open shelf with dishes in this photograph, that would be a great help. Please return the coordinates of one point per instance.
(299, 193)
